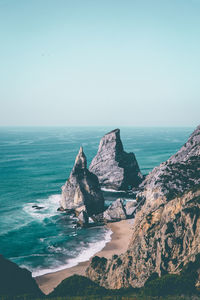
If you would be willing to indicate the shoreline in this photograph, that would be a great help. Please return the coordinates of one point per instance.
(120, 237)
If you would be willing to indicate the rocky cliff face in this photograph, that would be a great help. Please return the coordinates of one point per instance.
(178, 174)
(82, 189)
(115, 168)
(16, 281)
(166, 229)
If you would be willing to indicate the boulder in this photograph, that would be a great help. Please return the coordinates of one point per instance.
(115, 212)
(131, 207)
(82, 189)
(115, 168)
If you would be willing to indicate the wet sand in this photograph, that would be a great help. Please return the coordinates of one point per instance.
(119, 243)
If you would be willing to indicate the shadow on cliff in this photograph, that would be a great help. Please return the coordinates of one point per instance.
(168, 286)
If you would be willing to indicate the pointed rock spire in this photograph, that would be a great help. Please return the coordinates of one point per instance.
(80, 161)
(82, 189)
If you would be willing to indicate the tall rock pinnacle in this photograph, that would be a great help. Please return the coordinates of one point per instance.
(115, 168)
(82, 188)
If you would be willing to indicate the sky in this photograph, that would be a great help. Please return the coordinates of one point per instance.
(99, 63)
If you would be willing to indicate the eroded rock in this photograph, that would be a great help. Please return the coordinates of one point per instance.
(166, 231)
(115, 212)
(131, 207)
(82, 189)
(83, 218)
(115, 168)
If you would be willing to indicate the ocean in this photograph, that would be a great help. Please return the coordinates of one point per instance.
(34, 164)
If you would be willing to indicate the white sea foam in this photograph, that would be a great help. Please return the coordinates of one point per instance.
(31, 255)
(113, 191)
(130, 200)
(84, 255)
(49, 207)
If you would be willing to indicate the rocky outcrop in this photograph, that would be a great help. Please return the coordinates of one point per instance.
(83, 218)
(82, 190)
(115, 168)
(178, 174)
(115, 212)
(119, 210)
(131, 207)
(166, 228)
(15, 281)
(163, 241)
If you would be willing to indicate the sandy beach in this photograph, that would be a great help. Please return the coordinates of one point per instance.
(119, 242)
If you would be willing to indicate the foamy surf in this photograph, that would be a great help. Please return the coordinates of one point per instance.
(48, 206)
(84, 255)
(111, 190)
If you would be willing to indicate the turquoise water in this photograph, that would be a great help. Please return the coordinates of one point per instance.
(34, 164)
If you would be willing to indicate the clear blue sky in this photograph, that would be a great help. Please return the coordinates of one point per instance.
(100, 62)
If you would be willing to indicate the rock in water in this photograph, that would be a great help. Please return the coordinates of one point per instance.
(82, 188)
(83, 218)
(115, 168)
(166, 231)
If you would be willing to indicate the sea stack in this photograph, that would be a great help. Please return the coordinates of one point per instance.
(82, 190)
(115, 168)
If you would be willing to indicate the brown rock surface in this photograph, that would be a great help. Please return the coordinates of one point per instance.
(166, 231)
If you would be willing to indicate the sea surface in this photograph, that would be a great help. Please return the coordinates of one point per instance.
(34, 164)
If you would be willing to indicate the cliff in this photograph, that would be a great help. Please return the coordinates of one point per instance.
(115, 168)
(178, 174)
(166, 229)
(16, 281)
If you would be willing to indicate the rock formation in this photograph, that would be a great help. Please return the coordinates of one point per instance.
(15, 281)
(118, 210)
(131, 208)
(82, 190)
(115, 211)
(178, 174)
(83, 218)
(166, 232)
(115, 168)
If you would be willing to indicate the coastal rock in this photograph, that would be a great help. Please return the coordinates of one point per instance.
(37, 207)
(83, 218)
(115, 168)
(166, 231)
(82, 188)
(115, 211)
(15, 281)
(131, 207)
(178, 174)
(163, 241)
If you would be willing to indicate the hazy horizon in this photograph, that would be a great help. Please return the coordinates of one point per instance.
(108, 63)
(98, 126)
